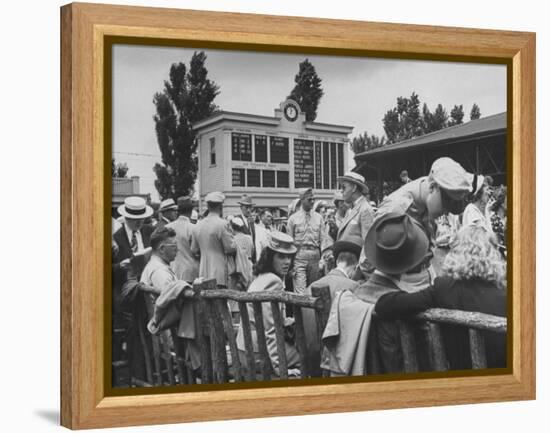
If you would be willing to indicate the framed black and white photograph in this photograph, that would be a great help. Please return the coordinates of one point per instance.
(295, 218)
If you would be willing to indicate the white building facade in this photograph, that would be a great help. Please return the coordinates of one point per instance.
(269, 158)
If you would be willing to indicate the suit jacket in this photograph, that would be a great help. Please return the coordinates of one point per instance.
(119, 275)
(214, 243)
(186, 264)
(336, 281)
(358, 222)
(470, 295)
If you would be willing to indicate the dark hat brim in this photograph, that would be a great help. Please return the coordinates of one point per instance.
(410, 256)
(345, 246)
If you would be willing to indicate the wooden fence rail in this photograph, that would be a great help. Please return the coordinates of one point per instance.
(222, 361)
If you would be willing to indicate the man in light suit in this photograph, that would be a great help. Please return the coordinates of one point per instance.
(359, 218)
(213, 242)
(185, 265)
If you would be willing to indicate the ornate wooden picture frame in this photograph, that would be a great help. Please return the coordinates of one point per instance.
(87, 32)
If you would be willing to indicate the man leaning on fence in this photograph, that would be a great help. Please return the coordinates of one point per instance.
(169, 308)
(312, 239)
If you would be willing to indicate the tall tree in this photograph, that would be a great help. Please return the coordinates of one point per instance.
(475, 113)
(457, 114)
(187, 97)
(404, 121)
(308, 91)
(364, 142)
(119, 170)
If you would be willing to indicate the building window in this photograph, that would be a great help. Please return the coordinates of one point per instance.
(253, 177)
(212, 151)
(278, 148)
(282, 179)
(268, 178)
(238, 177)
(333, 161)
(326, 165)
(260, 148)
(241, 147)
(340, 159)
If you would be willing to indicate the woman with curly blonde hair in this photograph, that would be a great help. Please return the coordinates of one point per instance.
(474, 279)
(474, 256)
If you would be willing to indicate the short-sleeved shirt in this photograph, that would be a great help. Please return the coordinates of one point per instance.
(309, 230)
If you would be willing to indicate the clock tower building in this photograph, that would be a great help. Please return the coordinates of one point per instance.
(269, 157)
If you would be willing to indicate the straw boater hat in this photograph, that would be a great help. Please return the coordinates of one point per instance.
(396, 243)
(352, 244)
(355, 178)
(281, 243)
(246, 200)
(167, 204)
(135, 208)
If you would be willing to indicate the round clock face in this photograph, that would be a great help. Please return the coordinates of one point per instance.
(291, 113)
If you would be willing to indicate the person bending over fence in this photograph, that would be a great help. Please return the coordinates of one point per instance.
(474, 279)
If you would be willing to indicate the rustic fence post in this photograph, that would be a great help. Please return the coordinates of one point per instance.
(321, 314)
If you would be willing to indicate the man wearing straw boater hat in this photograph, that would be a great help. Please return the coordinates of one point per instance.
(359, 218)
(443, 191)
(213, 241)
(168, 212)
(312, 240)
(130, 239)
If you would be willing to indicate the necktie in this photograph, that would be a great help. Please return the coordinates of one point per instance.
(134, 243)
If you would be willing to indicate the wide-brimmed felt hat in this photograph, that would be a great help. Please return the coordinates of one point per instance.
(167, 204)
(135, 208)
(246, 200)
(396, 243)
(281, 243)
(355, 178)
(351, 243)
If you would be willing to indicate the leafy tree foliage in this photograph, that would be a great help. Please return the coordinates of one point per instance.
(308, 91)
(475, 113)
(404, 121)
(434, 121)
(119, 170)
(187, 97)
(457, 114)
(364, 142)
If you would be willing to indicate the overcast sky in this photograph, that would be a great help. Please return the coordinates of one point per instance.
(357, 91)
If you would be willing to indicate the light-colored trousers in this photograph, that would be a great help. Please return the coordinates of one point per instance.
(306, 269)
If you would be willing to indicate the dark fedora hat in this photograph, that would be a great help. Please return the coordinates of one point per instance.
(351, 244)
(396, 243)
